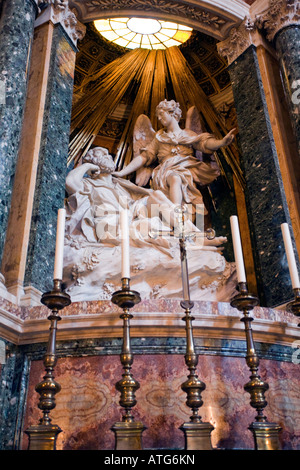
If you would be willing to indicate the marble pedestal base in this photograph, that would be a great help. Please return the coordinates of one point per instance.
(43, 437)
(266, 436)
(128, 436)
(197, 436)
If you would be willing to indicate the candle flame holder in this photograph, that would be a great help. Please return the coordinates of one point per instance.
(43, 436)
(294, 306)
(266, 434)
(196, 432)
(128, 433)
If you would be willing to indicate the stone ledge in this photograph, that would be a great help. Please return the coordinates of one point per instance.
(155, 318)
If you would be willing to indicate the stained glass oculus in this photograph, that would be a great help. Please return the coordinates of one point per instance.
(144, 33)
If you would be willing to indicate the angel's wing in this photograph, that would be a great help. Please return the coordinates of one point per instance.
(193, 121)
(143, 134)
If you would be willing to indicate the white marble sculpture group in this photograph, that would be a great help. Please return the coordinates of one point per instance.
(172, 159)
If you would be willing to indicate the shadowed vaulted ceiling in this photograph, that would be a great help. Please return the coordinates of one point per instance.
(114, 85)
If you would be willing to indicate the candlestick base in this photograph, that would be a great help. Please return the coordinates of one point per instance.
(266, 435)
(43, 436)
(128, 435)
(197, 435)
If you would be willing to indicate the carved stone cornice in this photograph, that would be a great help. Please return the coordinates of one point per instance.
(152, 318)
(163, 6)
(58, 11)
(280, 14)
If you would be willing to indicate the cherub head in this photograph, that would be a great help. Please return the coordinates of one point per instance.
(100, 156)
(170, 107)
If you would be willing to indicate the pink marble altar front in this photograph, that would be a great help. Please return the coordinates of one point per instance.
(87, 405)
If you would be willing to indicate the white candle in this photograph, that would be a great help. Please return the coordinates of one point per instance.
(59, 247)
(124, 226)
(237, 248)
(290, 255)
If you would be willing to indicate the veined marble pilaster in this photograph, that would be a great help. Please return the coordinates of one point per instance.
(15, 250)
(266, 200)
(250, 51)
(288, 46)
(43, 149)
(16, 31)
(277, 23)
(281, 22)
(52, 162)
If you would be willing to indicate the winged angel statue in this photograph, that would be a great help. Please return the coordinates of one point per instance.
(174, 160)
(177, 169)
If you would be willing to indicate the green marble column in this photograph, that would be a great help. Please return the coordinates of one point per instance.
(265, 196)
(14, 376)
(287, 43)
(52, 167)
(16, 32)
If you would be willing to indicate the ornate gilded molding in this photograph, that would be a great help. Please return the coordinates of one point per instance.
(58, 11)
(200, 15)
(163, 6)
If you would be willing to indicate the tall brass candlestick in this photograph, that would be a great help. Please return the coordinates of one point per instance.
(43, 436)
(197, 433)
(266, 434)
(128, 433)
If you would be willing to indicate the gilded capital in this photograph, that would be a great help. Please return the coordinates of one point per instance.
(239, 39)
(260, 26)
(279, 15)
(58, 11)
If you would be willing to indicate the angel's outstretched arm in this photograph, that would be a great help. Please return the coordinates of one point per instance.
(134, 165)
(214, 144)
